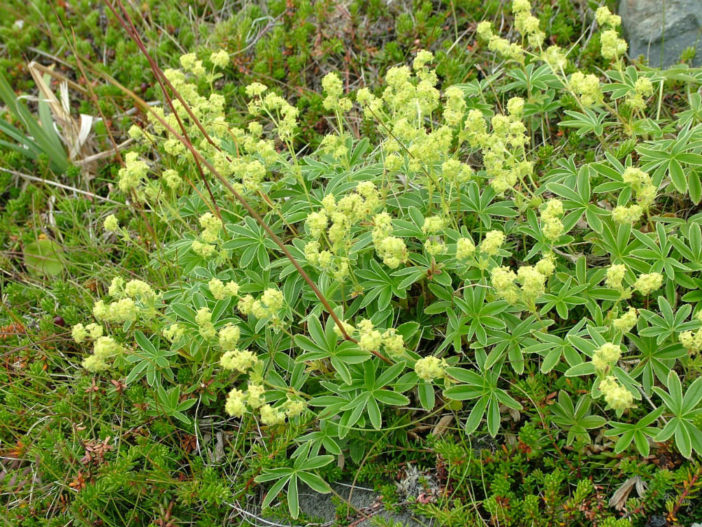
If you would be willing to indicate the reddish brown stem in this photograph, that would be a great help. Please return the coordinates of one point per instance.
(163, 82)
(129, 27)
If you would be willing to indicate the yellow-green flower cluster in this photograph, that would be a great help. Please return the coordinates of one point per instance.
(104, 349)
(606, 18)
(393, 343)
(81, 333)
(499, 45)
(174, 332)
(642, 88)
(370, 339)
(125, 308)
(229, 337)
(526, 285)
(111, 224)
(269, 305)
(220, 58)
(238, 360)
(220, 290)
(371, 104)
(335, 146)
(455, 106)
(434, 245)
(334, 90)
(406, 99)
(612, 47)
(503, 150)
(465, 248)
(327, 261)
(627, 321)
(430, 368)
(131, 175)
(551, 219)
(615, 277)
(640, 182)
(391, 249)
(503, 280)
(236, 403)
(348, 211)
(606, 356)
(627, 214)
(239, 402)
(171, 178)
(616, 396)
(333, 224)
(433, 225)
(455, 171)
(491, 243)
(555, 58)
(692, 340)
(408, 96)
(211, 229)
(526, 23)
(283, 114)
(203, 319)
(533, 283)
(190, 62)
(587, 87)
(648, 283)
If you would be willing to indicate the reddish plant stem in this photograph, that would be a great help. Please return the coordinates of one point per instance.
(163, 82)
(129, 27)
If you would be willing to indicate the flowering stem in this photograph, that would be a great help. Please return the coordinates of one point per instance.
(238, 197)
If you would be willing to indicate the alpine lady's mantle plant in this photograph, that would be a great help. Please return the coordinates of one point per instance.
(454, 257)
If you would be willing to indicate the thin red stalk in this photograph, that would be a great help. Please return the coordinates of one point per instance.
(129, 27)
(198, 157)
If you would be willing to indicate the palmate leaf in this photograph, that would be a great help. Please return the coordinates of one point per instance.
(289, 476)
(149, 360)
(655, 361)
(585, 122)
(482, 388)
(251, 242)
(679, 158)
(326, 344)
(638, 433)
(576, 419)
(682, 425)
(380, 286)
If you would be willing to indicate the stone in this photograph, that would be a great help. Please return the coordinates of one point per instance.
(322, 507)
(661, 30)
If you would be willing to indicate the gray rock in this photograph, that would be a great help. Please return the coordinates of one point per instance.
(661, 29)
(367, 501)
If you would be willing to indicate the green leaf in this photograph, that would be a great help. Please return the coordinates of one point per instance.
(427, 398)
(476, 415)
(44, 257)
(374, 413)
(314, 482)
(391, 398)
(585, 368)
(316, 462)
(293, 503)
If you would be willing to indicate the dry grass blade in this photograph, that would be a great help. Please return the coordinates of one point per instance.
(618, 499)
(75, 133)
